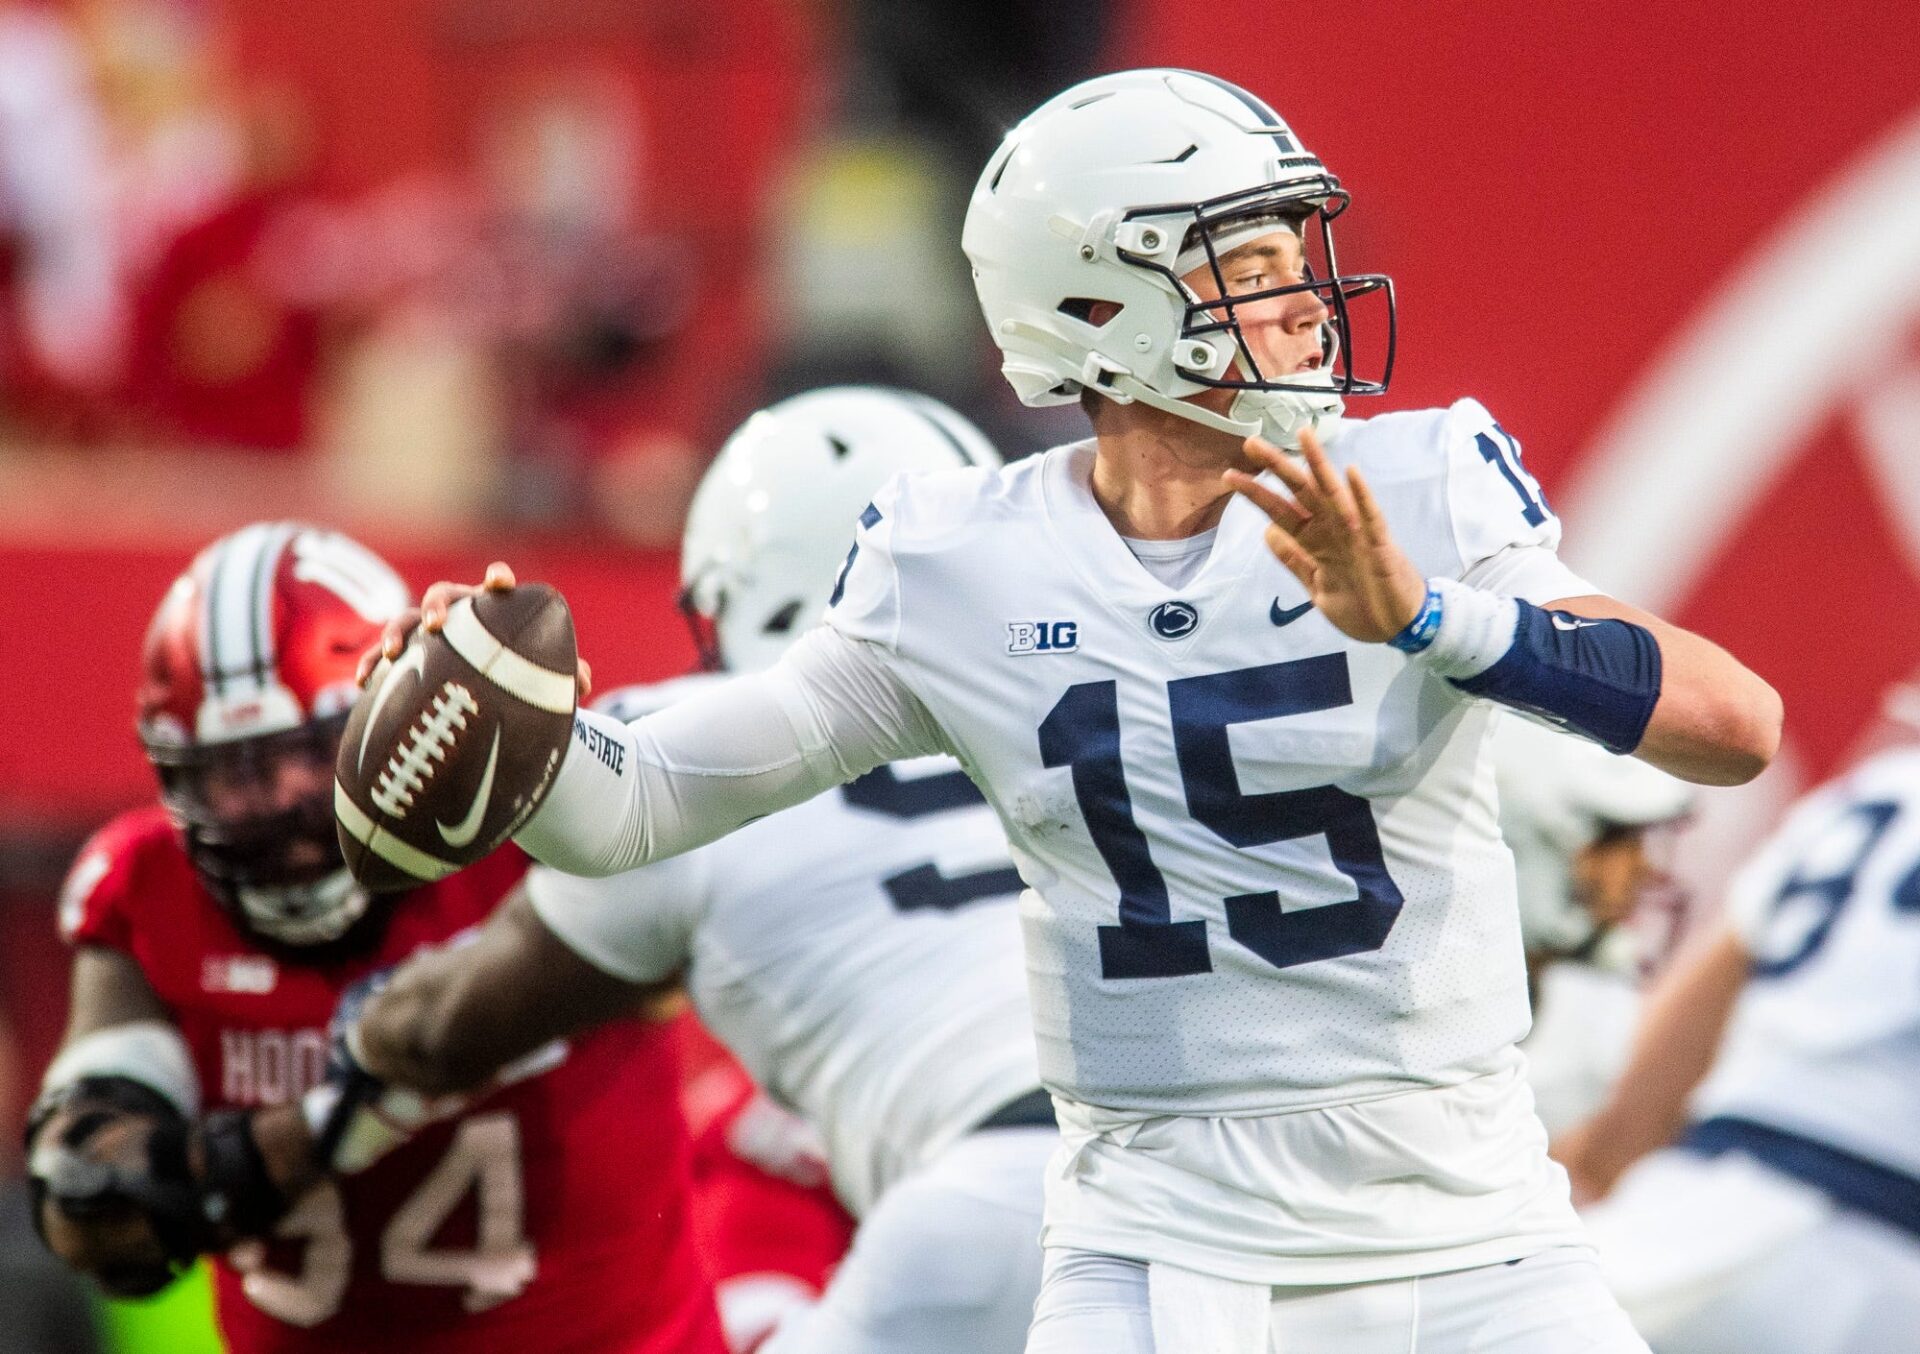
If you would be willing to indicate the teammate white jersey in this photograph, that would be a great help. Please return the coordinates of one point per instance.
(858, 953)
(1825, 1039)
(1326, 913)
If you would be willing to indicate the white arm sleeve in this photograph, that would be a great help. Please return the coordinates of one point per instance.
(627, 794)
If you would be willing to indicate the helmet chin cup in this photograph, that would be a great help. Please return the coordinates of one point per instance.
(303, 914)
(1282, 415)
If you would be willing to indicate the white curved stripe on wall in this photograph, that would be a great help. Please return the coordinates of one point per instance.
(1817, 312)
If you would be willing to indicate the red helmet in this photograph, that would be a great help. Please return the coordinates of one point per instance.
(247, 678)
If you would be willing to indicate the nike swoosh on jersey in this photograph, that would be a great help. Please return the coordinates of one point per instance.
(468, 828)
(1290, 615)
(1570, 622)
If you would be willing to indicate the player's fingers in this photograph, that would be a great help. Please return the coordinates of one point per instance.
(499, 577)
(1289, 552)
(1286, 468)
(1277, 506)
(1371, 519)
(1373, 522)
(393, 639)
(583, 674)
(1326, 480)
(441, 596)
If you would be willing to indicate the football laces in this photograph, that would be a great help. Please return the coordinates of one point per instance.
(410, 768)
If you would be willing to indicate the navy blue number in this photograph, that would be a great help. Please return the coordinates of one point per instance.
(924, 887)
(1083, 732)
(1829, 892)
(1203, 708)
(1504, 455)
(868, 517)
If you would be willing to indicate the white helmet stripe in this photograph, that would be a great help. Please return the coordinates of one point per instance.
(237, 654)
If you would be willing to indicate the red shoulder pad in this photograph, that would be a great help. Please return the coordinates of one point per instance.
(117, 864)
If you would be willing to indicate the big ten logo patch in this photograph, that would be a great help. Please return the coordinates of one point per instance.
(1025, 637)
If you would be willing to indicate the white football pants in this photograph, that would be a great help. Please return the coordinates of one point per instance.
(1725, 1256)
(1550, 1303)
(948, 1262)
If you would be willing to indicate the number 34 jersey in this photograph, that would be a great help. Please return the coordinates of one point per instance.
(552, 1216)
(1825, 1039)
(1264, 866)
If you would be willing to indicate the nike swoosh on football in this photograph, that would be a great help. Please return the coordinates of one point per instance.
(1290, 615)
(468, 828)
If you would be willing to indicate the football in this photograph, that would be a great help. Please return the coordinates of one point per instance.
(453, 745)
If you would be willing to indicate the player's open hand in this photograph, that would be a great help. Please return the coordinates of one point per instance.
(1330, 533)
(431, 614)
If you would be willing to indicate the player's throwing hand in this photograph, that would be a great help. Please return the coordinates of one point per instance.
(1332, 536)
(431, 614)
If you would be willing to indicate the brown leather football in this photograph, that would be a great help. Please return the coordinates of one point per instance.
(454, 744)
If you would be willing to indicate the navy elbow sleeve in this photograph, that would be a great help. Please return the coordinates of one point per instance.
(1600, 678)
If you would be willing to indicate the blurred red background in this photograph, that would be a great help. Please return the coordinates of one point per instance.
(1583, 208)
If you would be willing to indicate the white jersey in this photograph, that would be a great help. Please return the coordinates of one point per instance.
(1271, 937)
(858, 953)
(1824, 1041)
(1583, 1023)
(1266, 872)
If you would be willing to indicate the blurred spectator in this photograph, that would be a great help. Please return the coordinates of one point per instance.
(225, 345)
(44, 1307)
(60, 318)
(873, 284)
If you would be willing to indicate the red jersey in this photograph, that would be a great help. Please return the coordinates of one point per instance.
(552, 1216)
(770, 1230)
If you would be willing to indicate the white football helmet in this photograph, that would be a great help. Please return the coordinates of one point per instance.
(770, 525)
(1115, 190)
(1560, 794)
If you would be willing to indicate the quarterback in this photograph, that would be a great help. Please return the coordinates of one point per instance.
(1225, 672)
(213, 936)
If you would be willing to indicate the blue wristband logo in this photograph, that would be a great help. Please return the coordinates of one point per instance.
(1423, 627)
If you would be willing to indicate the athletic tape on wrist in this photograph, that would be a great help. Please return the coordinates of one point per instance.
(1475, 629)
(150, 1052)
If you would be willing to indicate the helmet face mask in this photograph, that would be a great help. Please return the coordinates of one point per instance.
(1307, 211)
(249, 667)
(256, 817)
(1101, 196)
(1593, 838)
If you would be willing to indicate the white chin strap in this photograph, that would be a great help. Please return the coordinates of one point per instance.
(1277, 416)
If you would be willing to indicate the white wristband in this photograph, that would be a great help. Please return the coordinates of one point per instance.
(151, 1052)
(1476, 630)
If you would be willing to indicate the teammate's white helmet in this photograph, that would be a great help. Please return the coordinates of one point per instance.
(1115, 190)
(1558, 795)
(773, 518)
